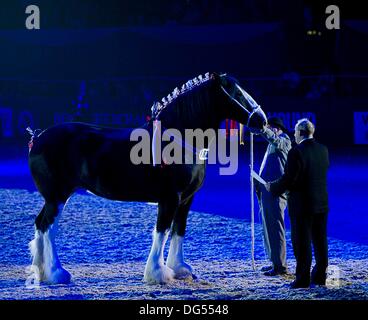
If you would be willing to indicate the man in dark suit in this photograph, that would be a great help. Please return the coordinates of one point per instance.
(305, 178)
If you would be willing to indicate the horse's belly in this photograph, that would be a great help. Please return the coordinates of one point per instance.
(127, 183)
(123, 195)
(112, 175)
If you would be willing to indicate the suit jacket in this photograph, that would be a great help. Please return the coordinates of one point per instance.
(275, 157)
(274, 160)
(305, 178)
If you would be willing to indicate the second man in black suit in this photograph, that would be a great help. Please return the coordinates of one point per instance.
(305, 178)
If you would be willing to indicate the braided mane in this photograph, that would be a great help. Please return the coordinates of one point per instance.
(167, 101)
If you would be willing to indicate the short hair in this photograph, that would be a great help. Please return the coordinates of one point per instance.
(306, 127)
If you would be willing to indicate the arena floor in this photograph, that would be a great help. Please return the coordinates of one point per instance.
(104, 244)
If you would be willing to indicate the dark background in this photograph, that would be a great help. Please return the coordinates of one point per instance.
(108, 61)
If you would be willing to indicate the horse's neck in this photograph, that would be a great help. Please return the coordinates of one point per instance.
(199, 121)
(197, 110)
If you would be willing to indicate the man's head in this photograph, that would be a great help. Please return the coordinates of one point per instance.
(303, 129)
(276, 125)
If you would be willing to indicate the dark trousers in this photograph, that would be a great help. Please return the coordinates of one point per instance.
(272, 209)
(305, 230)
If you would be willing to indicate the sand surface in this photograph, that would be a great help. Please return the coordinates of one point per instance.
(104, 245)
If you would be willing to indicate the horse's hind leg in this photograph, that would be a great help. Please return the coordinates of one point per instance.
(46, 265)
(175, 259)
(156, 271)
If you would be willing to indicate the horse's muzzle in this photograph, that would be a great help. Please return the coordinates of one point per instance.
(257, 120)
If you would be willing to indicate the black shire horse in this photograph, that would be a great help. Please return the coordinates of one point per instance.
(71, 156)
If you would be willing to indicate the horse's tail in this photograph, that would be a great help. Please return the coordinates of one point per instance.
(34, 135)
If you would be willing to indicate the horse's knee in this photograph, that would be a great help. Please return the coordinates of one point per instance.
(47, 216)
(180, 219)
(40, 222)
(166, 211)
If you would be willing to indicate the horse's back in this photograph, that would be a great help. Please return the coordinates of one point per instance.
(66, 153)
(70, 130)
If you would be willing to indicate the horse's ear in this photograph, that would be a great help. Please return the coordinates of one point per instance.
(218, 76)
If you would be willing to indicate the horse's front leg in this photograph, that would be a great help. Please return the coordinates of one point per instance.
(156, 271)
(175, 259)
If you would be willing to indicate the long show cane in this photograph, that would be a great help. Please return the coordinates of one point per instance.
(252, 200)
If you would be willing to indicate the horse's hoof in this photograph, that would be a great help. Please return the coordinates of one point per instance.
(159, 275)
(59, 276)
(183, 271)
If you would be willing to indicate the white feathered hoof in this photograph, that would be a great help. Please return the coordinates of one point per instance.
(58, 276)
(159, 274)
(182, 271)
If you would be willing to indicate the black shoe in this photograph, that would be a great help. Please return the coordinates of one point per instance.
(266, 268)
(318, 282)
(274, 272)
(299, 284)
(318, 278)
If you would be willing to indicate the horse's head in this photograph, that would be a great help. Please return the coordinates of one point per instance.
(204, 102)
(240, 106)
